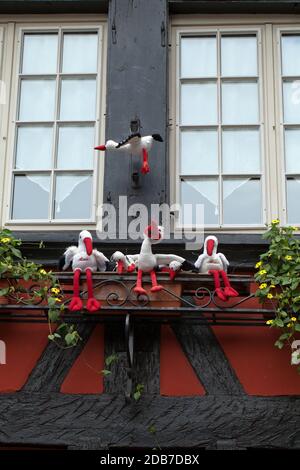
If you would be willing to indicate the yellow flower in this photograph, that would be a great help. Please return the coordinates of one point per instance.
(289, 325)
(270, 296)
(263, 286)
(275, 221)
(262, 272)
(269, 322)
(5, 240)
(55, 290)
(272, 286)
(293, 319)
(288, 257)
(57, 299)
(258, 264)
(43, 272)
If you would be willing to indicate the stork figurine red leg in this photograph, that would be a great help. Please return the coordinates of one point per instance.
(83, 258)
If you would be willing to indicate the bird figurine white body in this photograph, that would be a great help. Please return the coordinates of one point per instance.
(216, 264)
(134, 144)
(147, 262)
(124, 262)
(83, 258)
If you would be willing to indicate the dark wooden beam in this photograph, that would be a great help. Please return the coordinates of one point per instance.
(208, 359)
(55, 363)
(146, 354)
(106, 421)
(53, 6)
(234, 6)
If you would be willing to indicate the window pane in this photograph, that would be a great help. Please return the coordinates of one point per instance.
(73, 199)
(200, 192)
(78, 100)
(34, 148)
(37, 100)
(240, 103)
(292, 150)
(291, 102)
(39, 53)
(80, 53)
(75, 147)
(290, 55)
(242, 201)
(239, 56)
(31, 197)
(199, 152)
(293, 197)
(241, 151)
(199, 104)
(198, 57)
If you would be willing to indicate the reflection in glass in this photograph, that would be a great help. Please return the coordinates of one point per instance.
(293, 197)
(199, 152)
(78, 100)
(39, 54)
(80, 53)
(75, 147)
(290, 55)
(199, 104)
(242, 201)
(241, 151)
(292, 150)
(240, 103)
(198, 57)
(203, 192)
(37, 100)
(34, 148)
(239, 56)
(73, 198)
(291, 102)
(31, 197)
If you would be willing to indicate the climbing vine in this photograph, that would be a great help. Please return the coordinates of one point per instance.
(14, 269)
(278, 275)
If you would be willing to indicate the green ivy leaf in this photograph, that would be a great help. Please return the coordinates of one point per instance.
(137, 396)
(53, 316)
(111, 359)
(4, 292)
(17, 253)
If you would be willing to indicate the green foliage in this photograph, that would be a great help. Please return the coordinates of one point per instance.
(109, 361)
(14, 267)
(278, 276)
(138, 391)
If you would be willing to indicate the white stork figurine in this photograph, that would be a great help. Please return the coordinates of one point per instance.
(123, 262)
(135, 144)
(147, 262)
(211, 262)
(84, 258)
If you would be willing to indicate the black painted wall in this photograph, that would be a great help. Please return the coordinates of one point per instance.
(137, 90)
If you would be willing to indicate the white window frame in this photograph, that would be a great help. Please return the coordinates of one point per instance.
(2, 142)
(278, 30)
(272, 155)
(45, 24)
